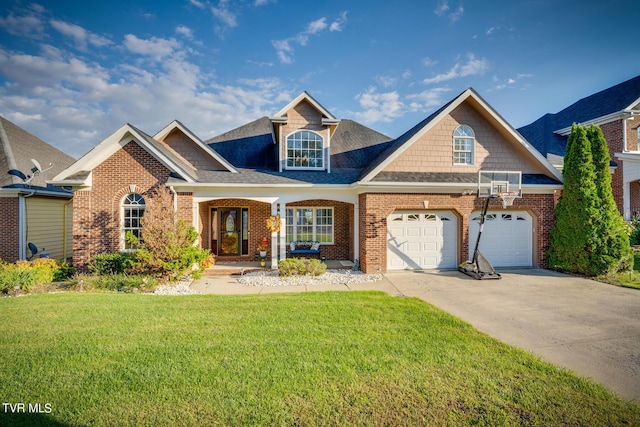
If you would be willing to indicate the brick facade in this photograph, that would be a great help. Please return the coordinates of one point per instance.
(376, 207)
(9, 229)
(341, 249)
(613, 133)
(97, 211)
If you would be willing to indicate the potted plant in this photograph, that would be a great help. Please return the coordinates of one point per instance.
(263, 247)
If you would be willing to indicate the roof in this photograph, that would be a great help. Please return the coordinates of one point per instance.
(17, 148)
(402, 143)
(621, 97)
(253, 146)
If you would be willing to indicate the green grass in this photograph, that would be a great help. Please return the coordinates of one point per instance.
(628, 279)
(356, 358)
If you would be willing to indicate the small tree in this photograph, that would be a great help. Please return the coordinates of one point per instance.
(573, 239)
(614, 252)
(166, 248)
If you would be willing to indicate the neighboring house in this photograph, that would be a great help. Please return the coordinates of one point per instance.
(32, 211)
(407, 203)
(617, 111)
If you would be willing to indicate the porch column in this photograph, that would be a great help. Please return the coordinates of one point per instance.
(283, 231)
(626, 199)
(274, 239)
(356, 232)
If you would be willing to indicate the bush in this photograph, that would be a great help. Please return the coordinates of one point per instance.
(315, 267)
(116, 282)
(297, 266)
(114, 263)
(30, 273)
(166, 248)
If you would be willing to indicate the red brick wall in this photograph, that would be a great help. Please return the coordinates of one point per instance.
(96, 212)
(9, 226)
(614, 135)
(343, 246)
(343, 236)
(376, 207)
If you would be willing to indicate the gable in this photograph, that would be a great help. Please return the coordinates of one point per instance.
(493, 149)
(191, 152)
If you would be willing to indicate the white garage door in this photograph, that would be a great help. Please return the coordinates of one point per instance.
(506, 238)
(422, 240)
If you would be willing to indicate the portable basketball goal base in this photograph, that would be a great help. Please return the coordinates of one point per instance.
(503, 185)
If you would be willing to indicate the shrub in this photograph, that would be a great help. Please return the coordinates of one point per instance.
(291, 267)
(166, 249)
(297, 266)
(116, 282)
(30, 273)
(113, 263)
(315, 267)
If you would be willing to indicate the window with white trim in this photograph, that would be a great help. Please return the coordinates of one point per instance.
(133, 207)
(305, 150)
(307, 224)
(463, 142)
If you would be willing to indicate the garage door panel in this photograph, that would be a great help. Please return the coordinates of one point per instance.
(429, 240)
(506, 238)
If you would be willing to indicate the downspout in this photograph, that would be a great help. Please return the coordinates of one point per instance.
(175, 198)
(22, 224)
(64, 228)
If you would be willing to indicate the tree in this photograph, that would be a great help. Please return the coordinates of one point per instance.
(589, 236)
(166, 248)
(614, 251)
(573, 239)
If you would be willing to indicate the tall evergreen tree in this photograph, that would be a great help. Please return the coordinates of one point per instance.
(573, 239)
(614, 252)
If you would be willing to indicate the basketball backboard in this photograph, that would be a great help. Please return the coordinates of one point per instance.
(494, 183)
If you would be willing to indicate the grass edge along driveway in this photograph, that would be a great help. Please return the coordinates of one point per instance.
(329, 358)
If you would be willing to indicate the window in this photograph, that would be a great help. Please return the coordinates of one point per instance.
(132, 210)
(305, 150)
(310, 224)
(463, 140)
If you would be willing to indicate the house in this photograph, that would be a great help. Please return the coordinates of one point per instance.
(617, 111)
(32, 211)
(405, 203)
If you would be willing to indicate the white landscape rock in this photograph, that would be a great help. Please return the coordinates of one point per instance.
(331, 277)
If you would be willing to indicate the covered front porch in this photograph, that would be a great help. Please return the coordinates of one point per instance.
(226, 268)
(235, 228)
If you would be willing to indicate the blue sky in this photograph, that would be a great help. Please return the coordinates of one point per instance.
(72, 72)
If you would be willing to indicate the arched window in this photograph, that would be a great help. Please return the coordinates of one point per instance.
(305, 149)
(463, 142)
(132, 210)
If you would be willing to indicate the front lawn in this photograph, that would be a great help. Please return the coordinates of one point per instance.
(629, 279)
(341, 358)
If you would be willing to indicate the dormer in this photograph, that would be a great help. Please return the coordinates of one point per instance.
(303, 130)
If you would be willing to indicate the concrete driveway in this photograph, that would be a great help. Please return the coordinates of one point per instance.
(588, 327)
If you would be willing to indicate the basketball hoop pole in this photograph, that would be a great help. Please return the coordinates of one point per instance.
(474, 260)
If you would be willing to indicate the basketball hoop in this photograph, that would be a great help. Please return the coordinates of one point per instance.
(507, 198)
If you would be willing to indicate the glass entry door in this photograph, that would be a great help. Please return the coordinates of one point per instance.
(230, 231)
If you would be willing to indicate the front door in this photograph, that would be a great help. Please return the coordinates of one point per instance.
(230, 231)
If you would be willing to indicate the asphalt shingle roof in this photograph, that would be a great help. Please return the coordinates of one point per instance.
(608, 101)
(18, 150)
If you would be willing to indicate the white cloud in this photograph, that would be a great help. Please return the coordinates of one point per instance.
(23, 26)
(316, 26)
(339, 23)
(184, 31)
(473, 66)
(154, 47)
(379, 107)
(284, 48)
(443, 9)
(511, 82)
(198, 4)
(427, 100)
(82, 37)
(428, 62)
(386, 81)
(263, 2)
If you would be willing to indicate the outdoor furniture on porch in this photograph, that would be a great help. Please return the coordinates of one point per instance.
(304, 248)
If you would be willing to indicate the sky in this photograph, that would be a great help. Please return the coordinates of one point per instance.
(73, 72)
